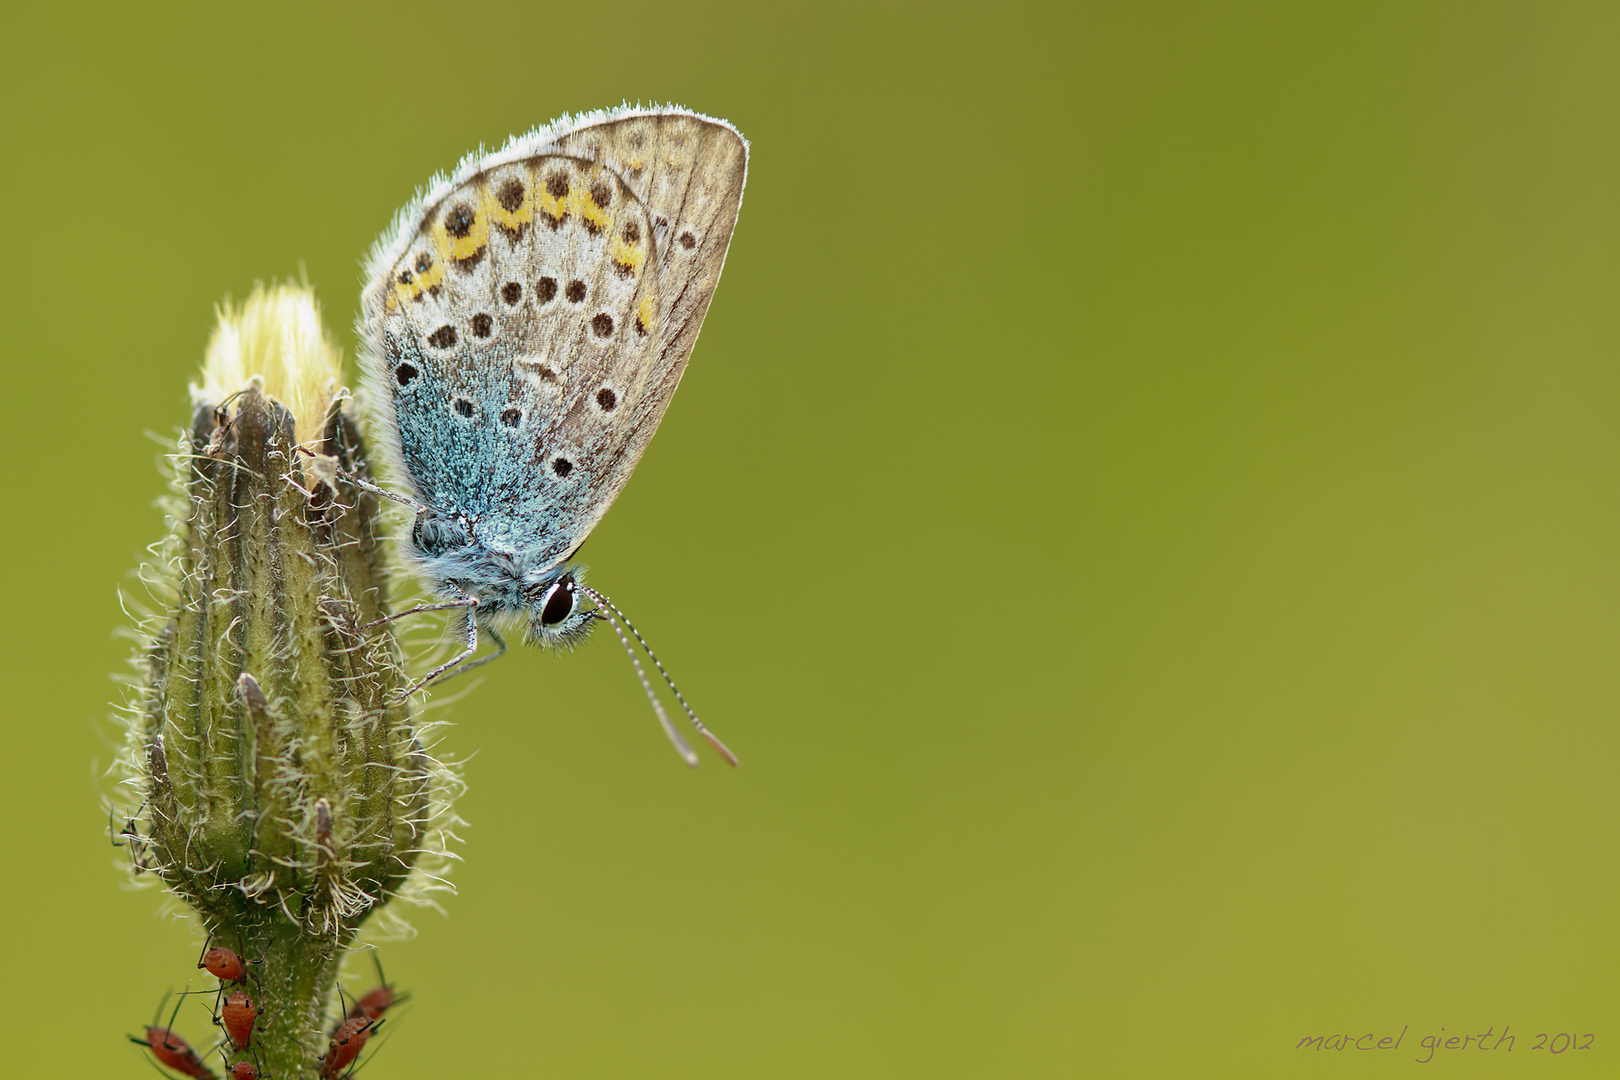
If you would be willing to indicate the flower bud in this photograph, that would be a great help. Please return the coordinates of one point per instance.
(286, 791)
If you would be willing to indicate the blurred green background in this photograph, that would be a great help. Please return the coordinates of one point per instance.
(1142, 507)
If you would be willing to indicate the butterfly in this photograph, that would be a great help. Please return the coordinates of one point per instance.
(524, 324)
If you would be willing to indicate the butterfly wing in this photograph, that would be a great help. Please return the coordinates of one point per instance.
(527, 321)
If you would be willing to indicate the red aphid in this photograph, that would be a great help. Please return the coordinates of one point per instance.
(376, 1002)
(173, 1051)
(373, 1004)
(223, 964)
(246, 1070)
(237, 1018)
(347, 1042)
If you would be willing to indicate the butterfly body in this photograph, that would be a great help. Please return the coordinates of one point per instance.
(524, 324)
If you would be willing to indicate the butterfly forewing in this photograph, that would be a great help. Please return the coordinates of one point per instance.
(528, 324)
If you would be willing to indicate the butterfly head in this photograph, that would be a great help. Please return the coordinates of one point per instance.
(556, 618)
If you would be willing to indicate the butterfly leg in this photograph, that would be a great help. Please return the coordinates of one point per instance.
(472, 645)
(391, 496)
(459, 602)
(500, 651)
(366, 485)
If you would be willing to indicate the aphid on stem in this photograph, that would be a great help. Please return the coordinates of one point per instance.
(347, 1042)
(170, 1049)
(237, 1017)
(247, 1070)
(374, 1003)
(225, 964)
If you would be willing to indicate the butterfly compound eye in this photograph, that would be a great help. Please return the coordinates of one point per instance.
(558, 603)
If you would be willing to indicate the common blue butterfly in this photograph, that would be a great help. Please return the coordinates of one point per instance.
(524, 324)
